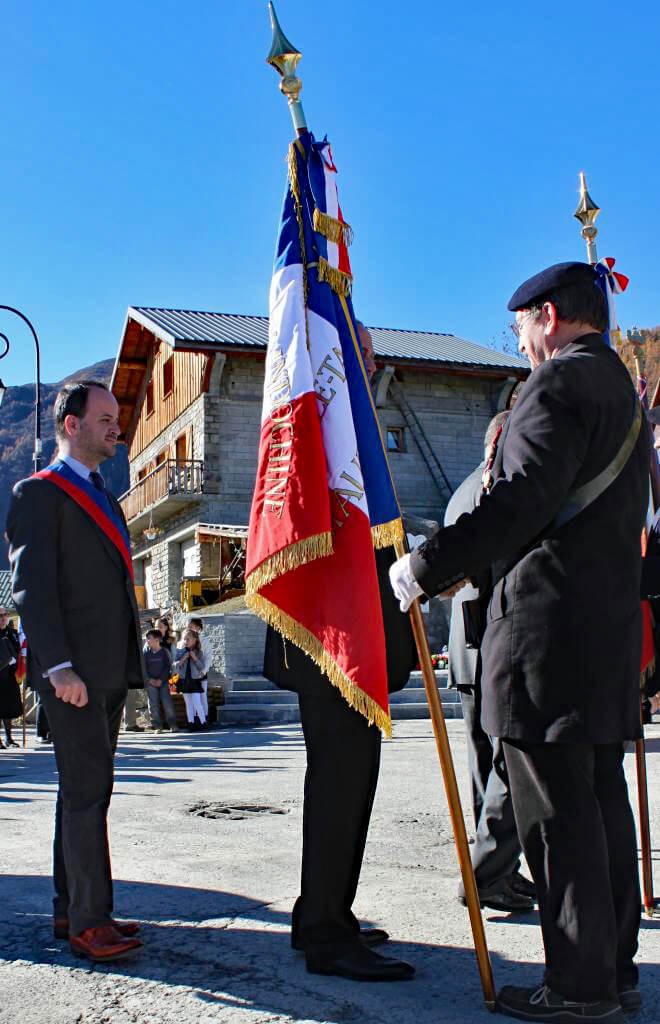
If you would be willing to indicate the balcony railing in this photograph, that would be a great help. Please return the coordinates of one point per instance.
(177, 479)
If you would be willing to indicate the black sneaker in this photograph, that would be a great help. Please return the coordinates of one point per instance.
(543, 1004)
(630, 998)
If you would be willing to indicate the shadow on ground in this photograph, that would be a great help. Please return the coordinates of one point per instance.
(231, 951)
(156, 760)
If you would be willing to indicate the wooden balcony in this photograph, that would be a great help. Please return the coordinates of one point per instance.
(160, 494)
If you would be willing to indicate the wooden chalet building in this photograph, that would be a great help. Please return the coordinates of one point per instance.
(189, 387)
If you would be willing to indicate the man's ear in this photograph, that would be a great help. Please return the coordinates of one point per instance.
(551, 318)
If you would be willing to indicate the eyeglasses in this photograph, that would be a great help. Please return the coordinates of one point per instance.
(517, 325)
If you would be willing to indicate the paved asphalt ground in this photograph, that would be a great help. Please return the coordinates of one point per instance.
(214, 893)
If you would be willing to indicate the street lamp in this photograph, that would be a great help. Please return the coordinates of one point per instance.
(37, 387)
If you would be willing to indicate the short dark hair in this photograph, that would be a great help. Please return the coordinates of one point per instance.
(155, 633)
(196, 622)
(72, 400)
(497, 421)
(578, 303)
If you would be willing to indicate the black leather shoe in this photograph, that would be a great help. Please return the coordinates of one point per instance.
(502, 897)
(362, 964)
(523, 886)
(630, 998)
(367, 936)
(543, 1004)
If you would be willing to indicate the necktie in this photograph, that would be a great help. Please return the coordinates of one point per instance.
(97, 480)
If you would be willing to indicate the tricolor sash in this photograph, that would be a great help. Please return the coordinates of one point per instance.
(95, 503)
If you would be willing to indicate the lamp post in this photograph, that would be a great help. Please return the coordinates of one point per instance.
(4, 338)
(37, 402)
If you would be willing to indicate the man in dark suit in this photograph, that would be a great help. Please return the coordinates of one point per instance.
(343, 759)
(72, 584)
(561, 650)
(496, 849)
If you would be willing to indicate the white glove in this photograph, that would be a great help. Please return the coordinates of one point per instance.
(405, 586)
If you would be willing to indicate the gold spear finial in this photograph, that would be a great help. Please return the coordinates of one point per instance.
(636, 340)
(284, 57)
(586, 213)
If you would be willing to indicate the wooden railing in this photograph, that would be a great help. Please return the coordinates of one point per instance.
(172, 477)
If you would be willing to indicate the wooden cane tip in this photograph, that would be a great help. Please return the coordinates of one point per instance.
(491, 1005)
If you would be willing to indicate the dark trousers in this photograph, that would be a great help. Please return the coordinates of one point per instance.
(578, 833)
(343, 758)
(85, 740)
(496, 848)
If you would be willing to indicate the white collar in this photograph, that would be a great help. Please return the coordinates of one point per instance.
(78, 467)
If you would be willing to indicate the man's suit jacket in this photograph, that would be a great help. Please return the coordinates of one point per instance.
(464, 662)
(297, 672)
(561, 653)
(72, 590)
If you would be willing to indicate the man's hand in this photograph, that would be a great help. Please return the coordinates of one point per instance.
(69, 687)
(655, 704)
(405, 586)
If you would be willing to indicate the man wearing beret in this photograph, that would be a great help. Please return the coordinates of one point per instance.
(561, 650)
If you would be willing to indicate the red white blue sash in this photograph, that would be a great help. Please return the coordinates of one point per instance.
(95, 503)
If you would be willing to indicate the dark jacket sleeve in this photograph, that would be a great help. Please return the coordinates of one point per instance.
(545, 447)
(32, 529)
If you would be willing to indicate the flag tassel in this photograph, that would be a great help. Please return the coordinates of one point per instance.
(289, 558)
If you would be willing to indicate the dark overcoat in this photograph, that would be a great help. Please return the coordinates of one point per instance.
(71, 590)
(291, 669)
(561, 653)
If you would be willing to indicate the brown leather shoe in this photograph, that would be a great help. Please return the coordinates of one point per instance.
(126, 928)
(104, 943)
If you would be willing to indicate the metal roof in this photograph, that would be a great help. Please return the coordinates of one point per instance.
(182, 328)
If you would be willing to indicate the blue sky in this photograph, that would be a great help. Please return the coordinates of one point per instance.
(143, 157)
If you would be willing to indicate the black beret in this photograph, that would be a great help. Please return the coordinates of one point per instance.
(557, 276)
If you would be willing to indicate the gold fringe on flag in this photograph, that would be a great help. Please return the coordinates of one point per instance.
(386, 535)
(300, 553)
(339, 280)
(337, 231)
(312, 646)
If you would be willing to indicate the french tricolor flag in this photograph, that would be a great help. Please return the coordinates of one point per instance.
(323, 496)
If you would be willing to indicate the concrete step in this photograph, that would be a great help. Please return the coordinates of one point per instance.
(417, 695)
(247, 715)
(273, 696)
(256, 682)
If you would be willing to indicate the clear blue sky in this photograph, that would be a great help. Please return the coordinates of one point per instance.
(143, 150)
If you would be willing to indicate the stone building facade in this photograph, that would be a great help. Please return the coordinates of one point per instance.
(435, 395)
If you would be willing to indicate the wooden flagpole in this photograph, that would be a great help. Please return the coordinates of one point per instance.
(586, 213)
(284, 57)
(453, 799)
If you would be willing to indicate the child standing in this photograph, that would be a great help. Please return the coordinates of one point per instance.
(192, 665)
(158, 665)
